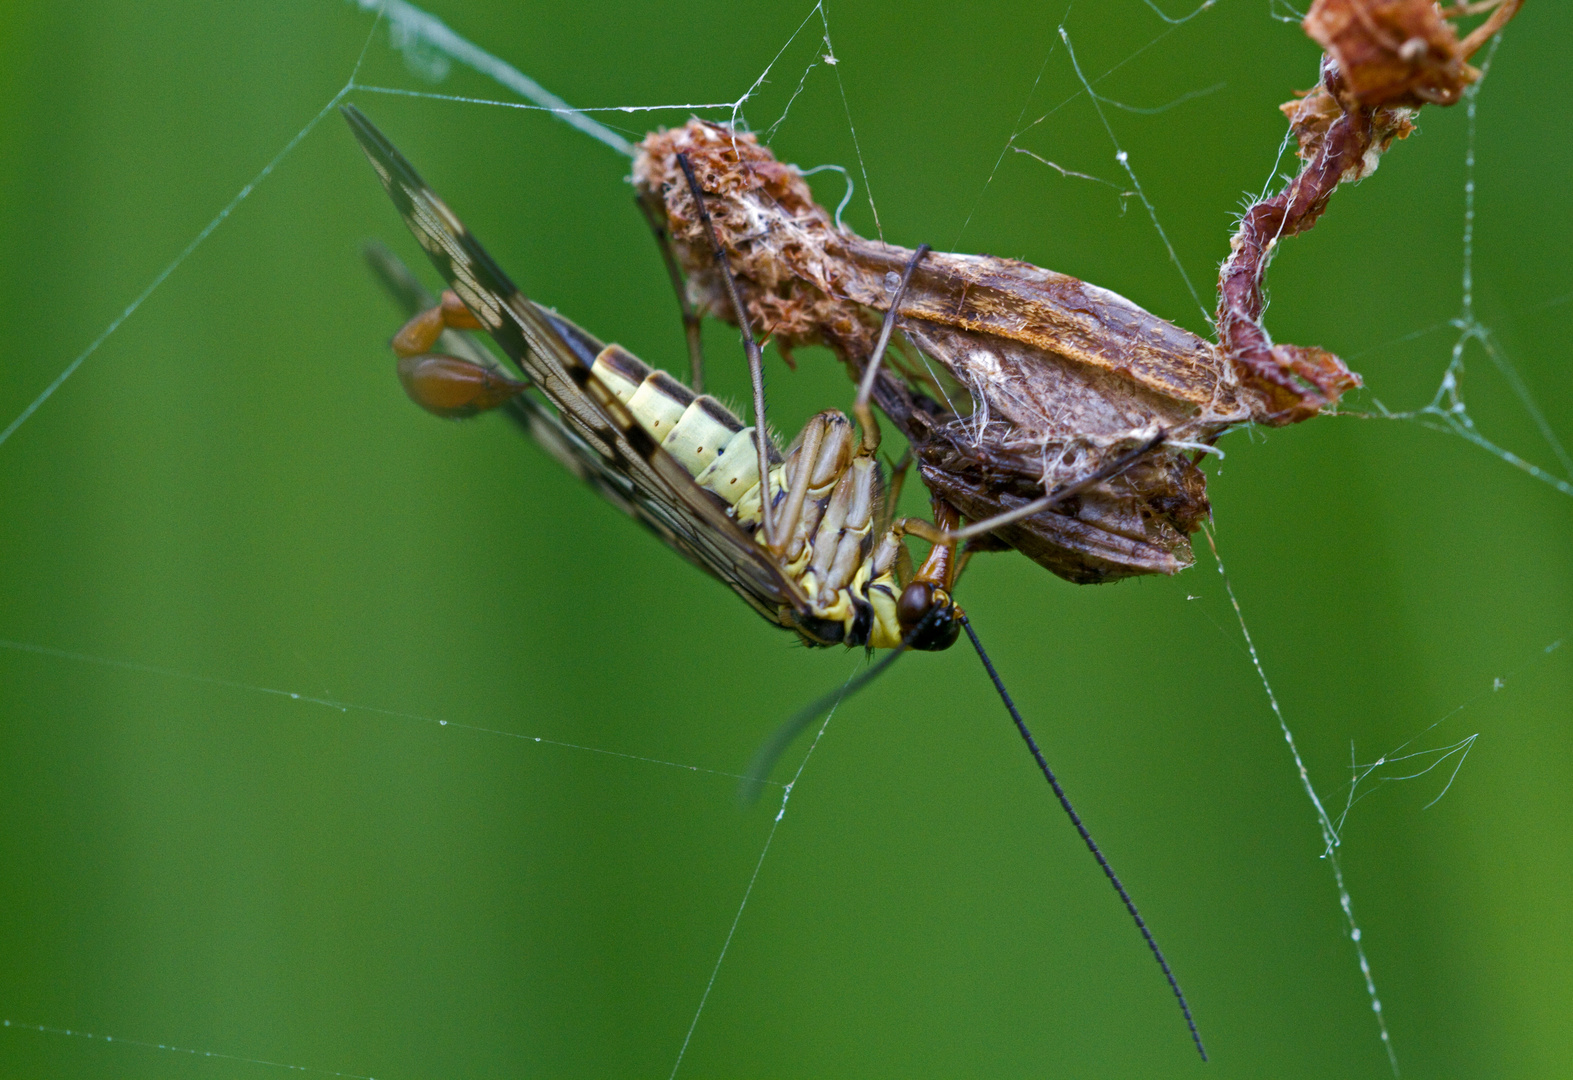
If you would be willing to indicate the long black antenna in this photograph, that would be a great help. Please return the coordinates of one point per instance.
(1070, 811)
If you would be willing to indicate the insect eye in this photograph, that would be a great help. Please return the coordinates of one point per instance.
(915, 601)
(931, 613)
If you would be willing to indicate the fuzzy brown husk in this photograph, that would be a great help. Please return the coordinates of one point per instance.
(1038, 378)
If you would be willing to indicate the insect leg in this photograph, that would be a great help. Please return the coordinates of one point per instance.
(898, 477)
(803, 463)
(860, 409)
(961, 563)
(756, 365)
(940, 567)
(656, 217)
(1058, 495)
(892, 496)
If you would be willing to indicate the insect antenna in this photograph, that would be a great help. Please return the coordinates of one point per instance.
(1070, 811)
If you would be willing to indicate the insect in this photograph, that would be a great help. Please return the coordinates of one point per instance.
(800, 547)
(802, 536)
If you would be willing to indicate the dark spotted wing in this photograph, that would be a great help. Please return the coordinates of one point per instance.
(614, 453)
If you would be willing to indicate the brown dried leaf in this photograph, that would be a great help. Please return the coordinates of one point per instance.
(1039, 378)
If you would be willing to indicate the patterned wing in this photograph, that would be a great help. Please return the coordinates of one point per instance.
(616, 455)
(537, 419)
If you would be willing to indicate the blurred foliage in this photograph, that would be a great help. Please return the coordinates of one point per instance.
(234, 487)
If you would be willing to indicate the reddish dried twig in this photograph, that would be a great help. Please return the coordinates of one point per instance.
(1385, 58)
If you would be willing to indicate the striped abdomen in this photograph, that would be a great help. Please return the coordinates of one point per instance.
(828, 530)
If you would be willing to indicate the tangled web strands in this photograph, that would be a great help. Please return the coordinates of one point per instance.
(1446, 413)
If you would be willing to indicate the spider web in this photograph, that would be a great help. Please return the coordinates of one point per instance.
(1037, 150)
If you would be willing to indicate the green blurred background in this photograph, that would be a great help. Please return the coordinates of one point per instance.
(234, 487)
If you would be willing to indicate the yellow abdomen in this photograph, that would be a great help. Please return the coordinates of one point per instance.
(827, 533)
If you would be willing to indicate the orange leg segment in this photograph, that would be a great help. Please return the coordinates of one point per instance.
(446, 385)
(940, 566)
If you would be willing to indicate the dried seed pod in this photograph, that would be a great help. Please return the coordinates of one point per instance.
(1013, 379)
